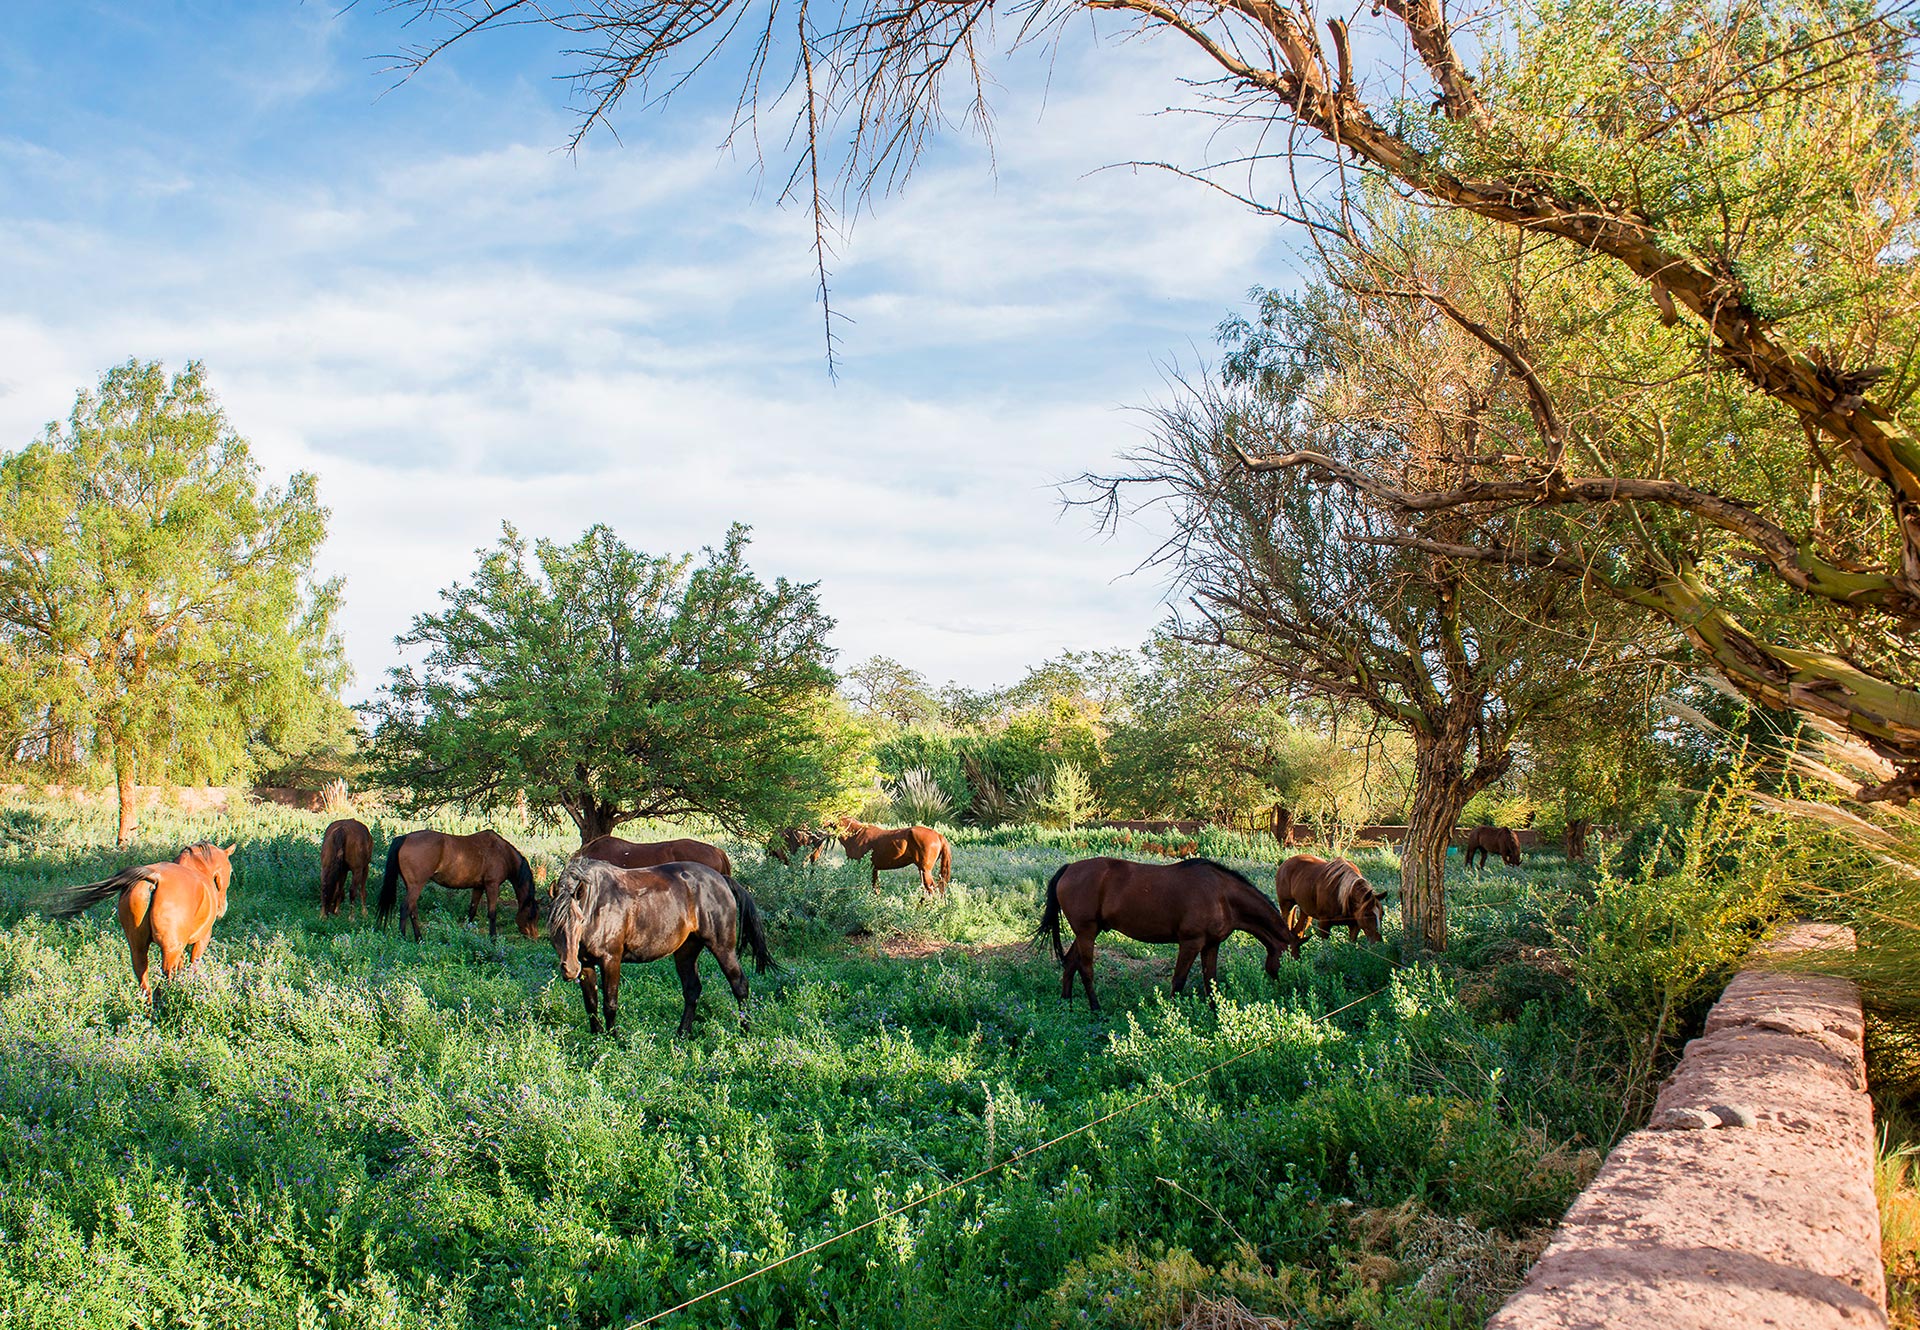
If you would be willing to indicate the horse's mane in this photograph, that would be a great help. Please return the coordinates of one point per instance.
(579, 880)
(1234, 873)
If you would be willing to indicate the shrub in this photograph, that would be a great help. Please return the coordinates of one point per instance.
(917, 797)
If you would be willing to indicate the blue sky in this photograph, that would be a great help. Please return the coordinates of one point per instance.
(414, 293)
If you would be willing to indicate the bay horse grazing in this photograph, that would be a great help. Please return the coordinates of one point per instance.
(602, 916)
(173, 904)
(346, 848)
(1500, 840)
(902, 847)
(1196, 903)
(1327, 892)
(791, 840)
(653, 853)
(478, 863)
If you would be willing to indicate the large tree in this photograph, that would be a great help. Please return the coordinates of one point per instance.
(1744, 173)
(611, 684)
(1312, 586)
(157, 604)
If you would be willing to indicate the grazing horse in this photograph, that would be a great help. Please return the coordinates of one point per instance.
(1500, 840)
(1326, 892)
(478, 863)
(347, 848)
(1195, 903)
(653, 853)
(791, 840)
(173, 904)
(902, 847)
(602, 916)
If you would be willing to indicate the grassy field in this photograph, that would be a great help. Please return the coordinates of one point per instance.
(325, 1125)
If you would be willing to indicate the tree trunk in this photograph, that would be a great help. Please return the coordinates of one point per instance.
(595, 820)
(123, 783)
(1439, 793)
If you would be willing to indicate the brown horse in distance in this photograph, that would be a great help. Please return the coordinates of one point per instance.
(902, 847)
(791, 840)
(1326, 892)
(653, 853)
(1500, 840)
(478, 863)
(603, 916)
(173, 904)
(346, 849)
(1196, 903)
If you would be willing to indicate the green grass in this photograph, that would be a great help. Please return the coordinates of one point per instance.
(325, 1125)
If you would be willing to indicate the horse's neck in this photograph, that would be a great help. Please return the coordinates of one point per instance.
(1255, 914)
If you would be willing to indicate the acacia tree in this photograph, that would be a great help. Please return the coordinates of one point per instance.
(1744, 172)
(1313, 585)
(156, 604)
(612, 684)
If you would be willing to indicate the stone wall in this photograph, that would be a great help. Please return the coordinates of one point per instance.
(1748, 1200)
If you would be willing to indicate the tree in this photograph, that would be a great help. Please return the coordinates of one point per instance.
(1312, 586)
(1743, 174)
(883, 688)
(156, 603)
(612, 684)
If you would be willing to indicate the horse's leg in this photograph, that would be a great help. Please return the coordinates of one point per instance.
(199, 949)
(1209, 963)
(686, 961)
(1083, 960)
(926, 878)
(591, 997)
(876, 875)
(413, 910)
(141, 946)
(360, 890)
(1183, 963)
(473, 903)
(736, 978)
(493, 910)
(172, 957)
(610, 989)
(1323, 928)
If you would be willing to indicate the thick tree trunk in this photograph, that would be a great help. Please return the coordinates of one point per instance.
(595, 820)
(1439, 793)
(123, 783)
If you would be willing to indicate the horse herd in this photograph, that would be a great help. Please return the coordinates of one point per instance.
(619, 901)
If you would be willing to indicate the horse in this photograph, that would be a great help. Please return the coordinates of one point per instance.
(791, 840)
(173, 904)
(1196, 903)
(651, 854)
(346, 848)
(902, 847)
(478, 863)
(602, 916)
(1327, 892)
(1500, 840)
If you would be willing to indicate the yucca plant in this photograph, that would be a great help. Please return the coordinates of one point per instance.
(917, 797)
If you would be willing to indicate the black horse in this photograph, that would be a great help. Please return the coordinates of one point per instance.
(602, 916)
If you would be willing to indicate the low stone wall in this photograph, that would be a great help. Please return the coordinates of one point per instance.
(187, 798)
(1748, 1201)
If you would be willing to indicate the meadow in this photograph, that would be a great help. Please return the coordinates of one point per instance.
(324, 1125)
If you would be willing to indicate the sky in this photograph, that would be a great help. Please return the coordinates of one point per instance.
(417, 294)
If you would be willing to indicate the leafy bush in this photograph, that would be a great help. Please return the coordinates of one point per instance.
(1069, 797)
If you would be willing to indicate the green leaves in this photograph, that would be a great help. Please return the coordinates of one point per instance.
(611, 684)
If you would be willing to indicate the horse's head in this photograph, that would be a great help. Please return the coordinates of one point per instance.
(1364, 905)
(527, 915)
(567, 914)
(1509, 847)
(217, 863)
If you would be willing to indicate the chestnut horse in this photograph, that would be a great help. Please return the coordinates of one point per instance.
(1196, 903)
(903, 847)
(478, 863)
(653, 853)
(602, 916)
(173, 904)
(1500, 840)
(1327, 892)
(791, 840)
(347, 848)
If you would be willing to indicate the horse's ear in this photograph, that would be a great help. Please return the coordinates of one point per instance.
(228, 850)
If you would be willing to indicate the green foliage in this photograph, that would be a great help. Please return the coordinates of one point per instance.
(323, 1125)
(612, 684)
(156, 602)
(1069, 796)
(917, 797)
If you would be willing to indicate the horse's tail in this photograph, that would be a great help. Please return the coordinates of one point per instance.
(70, 902)
(946, 862)
(751, 929)
(333, 872)
(390, 880)
(1050, 916)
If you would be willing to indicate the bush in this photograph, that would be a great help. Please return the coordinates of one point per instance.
(917, 797)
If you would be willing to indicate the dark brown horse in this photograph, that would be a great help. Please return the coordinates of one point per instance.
(478, 863)
(347, 848)
(1196, 903)
(1327, 892)
(653, 853)
(790, 841)
(902, 847)
(173, 904)
(603, 916)
(1500, 840)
